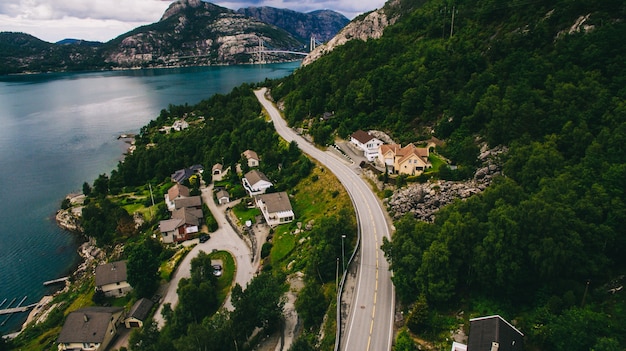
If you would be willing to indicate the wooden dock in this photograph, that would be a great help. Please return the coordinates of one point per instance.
(17, 309)
(55, 281)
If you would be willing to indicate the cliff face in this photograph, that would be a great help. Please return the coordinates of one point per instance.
(367, 26)
(322, 24)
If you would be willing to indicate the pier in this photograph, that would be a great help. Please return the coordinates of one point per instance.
(17, 309)
(55, 281)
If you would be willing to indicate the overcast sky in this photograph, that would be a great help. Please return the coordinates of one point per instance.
(103, 20)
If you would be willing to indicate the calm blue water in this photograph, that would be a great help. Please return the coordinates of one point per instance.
(58, 131)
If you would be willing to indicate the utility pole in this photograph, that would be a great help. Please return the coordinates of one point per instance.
(452, 24)
(152, 197)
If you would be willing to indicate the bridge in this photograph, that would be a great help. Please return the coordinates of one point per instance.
(261, 51)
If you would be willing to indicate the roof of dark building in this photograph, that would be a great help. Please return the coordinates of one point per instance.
(484, 331)
(361, 136)
(88, 325)
(110, 273)
(141, 309)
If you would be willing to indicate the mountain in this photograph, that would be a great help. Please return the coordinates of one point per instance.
(321, 24)
(190, 32)
(193, 32)
(20, 52)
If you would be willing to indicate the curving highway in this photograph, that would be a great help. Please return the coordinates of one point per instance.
(370, 320)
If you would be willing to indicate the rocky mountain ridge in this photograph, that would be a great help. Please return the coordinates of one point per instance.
(323, 25)
(190, 33)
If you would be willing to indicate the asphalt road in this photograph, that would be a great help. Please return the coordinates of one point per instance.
(370, 321)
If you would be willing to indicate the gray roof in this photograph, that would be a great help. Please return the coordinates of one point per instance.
(170, 224)
(276, 202)
(88, 325)
(255, 176)
(109, 273)
(183, 174)
(188, 215)
(141, 309)
(192, 201)
(222, 193)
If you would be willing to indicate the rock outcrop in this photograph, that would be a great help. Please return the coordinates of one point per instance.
(424, 200)
(367, 26)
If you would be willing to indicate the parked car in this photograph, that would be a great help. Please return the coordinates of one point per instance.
(204, 238)
(217, 270)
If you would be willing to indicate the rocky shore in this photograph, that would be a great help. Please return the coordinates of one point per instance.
(68, 218)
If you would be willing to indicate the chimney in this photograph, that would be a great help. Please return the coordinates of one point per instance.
(495, 346)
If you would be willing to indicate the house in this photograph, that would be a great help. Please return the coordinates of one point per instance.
(222, 197)
(185, 222)
(366, 142)
(170, 230)
(90, 328)
(180, 124)
(276, 208)
(111, 279)
(190, 202)
(216, 170)
(492, 333)
(255, 182)
(183, 174)
(178, 191)
(138, 313)
(409, 160)
(252, 158)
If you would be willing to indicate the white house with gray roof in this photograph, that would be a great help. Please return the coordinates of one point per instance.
(111, 279)
(255, 182)
(276, 208)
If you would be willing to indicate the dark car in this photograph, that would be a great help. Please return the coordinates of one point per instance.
(204, 238)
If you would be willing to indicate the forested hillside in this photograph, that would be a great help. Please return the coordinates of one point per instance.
(544, 244)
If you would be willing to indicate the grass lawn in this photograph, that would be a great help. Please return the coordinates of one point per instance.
(225, 281)
(436, 161)
(319, 195)
(246, 215)
(283, 243)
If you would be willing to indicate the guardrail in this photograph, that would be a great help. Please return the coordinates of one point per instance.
(345, 274)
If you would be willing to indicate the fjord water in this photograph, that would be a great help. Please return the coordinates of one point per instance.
(58, 131)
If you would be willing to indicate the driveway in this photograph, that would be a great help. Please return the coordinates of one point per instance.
(224, 238)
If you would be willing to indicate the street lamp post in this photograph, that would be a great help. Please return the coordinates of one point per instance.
(343, 259)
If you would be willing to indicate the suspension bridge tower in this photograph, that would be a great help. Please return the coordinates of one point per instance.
(312, 44)
(261, 52)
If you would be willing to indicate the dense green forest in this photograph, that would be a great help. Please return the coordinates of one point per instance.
(544, 244)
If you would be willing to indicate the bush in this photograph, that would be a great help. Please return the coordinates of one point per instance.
(266, 249)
